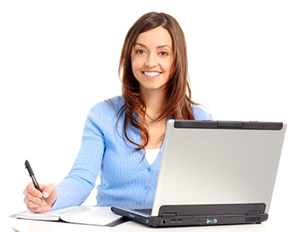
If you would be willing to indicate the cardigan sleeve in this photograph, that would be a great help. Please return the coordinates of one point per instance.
(80, 181)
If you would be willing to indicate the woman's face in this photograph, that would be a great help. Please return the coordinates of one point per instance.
(152, 59)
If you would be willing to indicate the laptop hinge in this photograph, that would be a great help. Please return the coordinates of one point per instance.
(254, 212)
(170, 215)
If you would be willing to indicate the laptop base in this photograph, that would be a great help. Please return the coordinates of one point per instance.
(204, 215)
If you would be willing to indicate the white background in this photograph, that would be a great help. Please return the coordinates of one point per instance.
(59, 58)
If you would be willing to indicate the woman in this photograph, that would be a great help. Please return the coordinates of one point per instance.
(123, 137)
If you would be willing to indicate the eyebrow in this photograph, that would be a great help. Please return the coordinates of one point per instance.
(161, 46)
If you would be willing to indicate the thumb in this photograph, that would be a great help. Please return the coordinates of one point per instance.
(49, 193)
(48, 190)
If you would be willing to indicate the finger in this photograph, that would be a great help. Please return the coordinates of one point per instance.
(42, 186)
(32, 190)
(30, 205)
(36, 200)
(37, 209)
(42, 209)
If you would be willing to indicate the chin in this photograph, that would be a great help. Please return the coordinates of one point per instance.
(153, 87)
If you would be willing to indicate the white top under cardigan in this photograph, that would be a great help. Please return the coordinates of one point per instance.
(151, 155)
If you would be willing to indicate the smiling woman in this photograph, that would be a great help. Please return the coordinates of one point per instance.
(154, 72)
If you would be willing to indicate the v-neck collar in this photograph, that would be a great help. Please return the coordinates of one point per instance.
(158, 157)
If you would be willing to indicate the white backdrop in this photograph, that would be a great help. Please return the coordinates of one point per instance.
(59, 58)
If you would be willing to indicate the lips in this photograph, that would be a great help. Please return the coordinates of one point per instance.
(151, 75)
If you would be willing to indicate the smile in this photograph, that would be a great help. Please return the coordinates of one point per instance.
(151, 75)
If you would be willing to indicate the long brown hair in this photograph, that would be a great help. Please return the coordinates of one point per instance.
(178, 90)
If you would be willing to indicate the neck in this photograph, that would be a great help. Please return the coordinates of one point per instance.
(154, 101)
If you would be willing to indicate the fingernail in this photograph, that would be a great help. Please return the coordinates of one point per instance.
(46, 194)
(40, 195)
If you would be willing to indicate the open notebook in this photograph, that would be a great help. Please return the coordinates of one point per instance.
(101, 216)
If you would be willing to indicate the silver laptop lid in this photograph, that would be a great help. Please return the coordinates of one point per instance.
(214, 162)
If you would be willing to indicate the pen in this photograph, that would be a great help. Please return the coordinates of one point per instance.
(31, 174)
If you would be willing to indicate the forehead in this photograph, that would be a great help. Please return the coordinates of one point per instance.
(158, 36)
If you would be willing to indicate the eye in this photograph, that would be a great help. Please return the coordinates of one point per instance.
(163, 53)
(139, 51)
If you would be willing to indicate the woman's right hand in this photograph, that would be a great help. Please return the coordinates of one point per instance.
(33, 197)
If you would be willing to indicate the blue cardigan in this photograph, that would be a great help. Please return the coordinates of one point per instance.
(124, 179)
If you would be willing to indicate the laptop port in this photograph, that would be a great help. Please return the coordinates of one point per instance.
(173, 221)
(211, 221)
(163, 221)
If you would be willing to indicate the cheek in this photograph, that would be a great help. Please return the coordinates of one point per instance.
(135, 64)
(167, 66)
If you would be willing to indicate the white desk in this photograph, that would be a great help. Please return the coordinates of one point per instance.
(22, 225)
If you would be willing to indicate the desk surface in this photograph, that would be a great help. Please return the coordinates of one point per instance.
(22, 225)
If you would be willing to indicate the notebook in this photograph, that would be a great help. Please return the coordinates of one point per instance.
(101, 216)
(213, 173)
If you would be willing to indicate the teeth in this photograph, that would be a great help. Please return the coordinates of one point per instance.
(151, 74)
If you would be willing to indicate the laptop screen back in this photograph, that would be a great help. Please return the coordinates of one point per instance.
(218, 163)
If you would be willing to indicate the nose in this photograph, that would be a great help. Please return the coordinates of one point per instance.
(151, 61)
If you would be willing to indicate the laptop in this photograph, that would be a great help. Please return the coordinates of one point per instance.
(213, 173)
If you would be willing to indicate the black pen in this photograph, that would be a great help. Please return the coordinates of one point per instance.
(31, 174)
